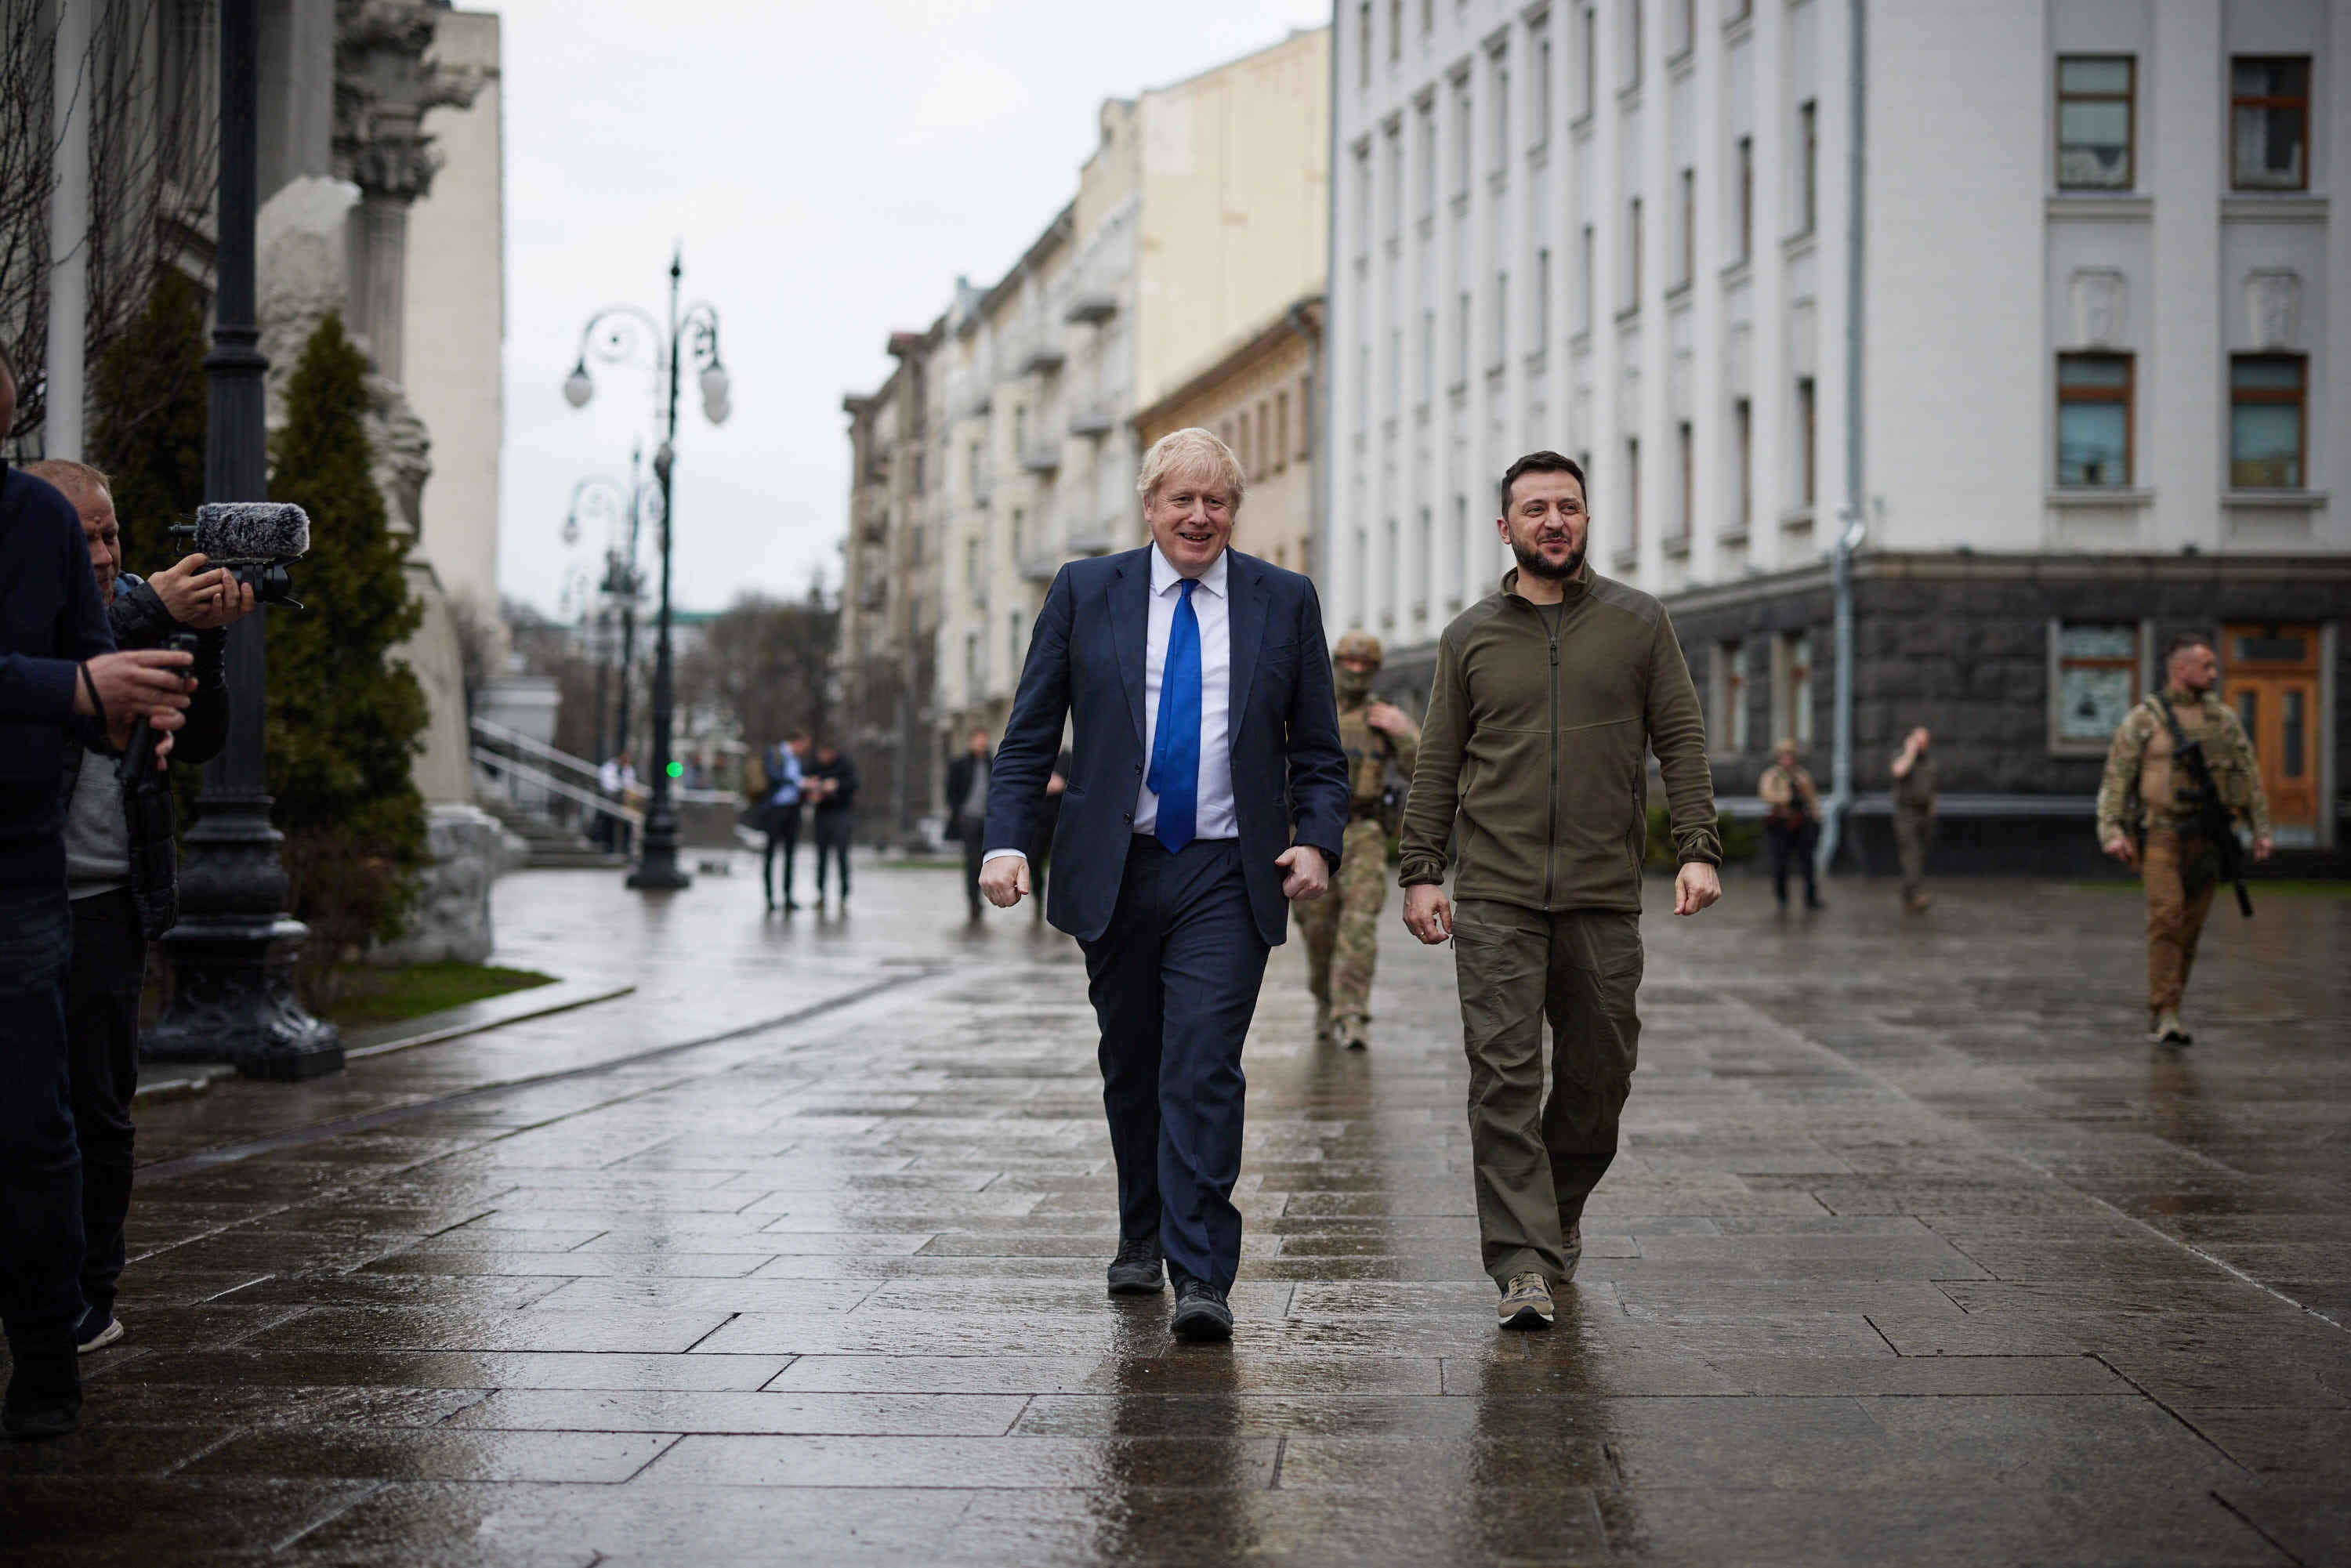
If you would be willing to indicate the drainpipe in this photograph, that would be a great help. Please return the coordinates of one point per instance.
(1326, 465)
(1856, 529)
(71, 93)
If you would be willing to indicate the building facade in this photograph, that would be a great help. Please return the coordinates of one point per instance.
(1259, 400)
(2035, 292)
(1198, 218)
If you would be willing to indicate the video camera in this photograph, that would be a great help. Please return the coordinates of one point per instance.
(257, 540)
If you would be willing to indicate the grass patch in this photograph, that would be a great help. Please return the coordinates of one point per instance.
(368, 998)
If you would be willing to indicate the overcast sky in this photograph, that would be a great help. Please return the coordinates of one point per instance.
(829, 167)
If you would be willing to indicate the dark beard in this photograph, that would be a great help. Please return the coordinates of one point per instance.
(1531, 561)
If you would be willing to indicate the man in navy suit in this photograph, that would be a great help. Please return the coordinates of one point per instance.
(1206, 788)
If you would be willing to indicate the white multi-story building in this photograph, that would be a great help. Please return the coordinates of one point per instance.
(2055, 328)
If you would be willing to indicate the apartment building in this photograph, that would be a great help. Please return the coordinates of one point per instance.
(1198, 218)
(1259, 400)
(2031, 296)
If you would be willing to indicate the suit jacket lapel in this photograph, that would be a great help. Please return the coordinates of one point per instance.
(1245, 583)
(1130, 628)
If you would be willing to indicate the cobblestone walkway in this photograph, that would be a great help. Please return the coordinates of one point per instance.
(1915, 1253)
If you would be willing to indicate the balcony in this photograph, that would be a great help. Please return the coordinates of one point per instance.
(874, 530)
(1092, 420)
(1038, 565)
(1043, 359)
(1092, 308)
(876, 592)
(1042, 457)
(1101, 537)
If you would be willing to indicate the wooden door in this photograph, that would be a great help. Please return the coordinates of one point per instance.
(2270, 678)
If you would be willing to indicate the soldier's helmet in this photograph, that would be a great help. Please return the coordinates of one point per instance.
(1358, 645)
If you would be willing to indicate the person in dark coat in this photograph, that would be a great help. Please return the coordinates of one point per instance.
(830, 785)
(1040, 847)
(61, 683)
(967, 810)
(122, 870)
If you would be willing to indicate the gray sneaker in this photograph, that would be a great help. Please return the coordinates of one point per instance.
(1573, 1250)
(1526, 1303)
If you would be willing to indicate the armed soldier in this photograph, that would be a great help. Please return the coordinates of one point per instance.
(2179, 769)
(1342, 931)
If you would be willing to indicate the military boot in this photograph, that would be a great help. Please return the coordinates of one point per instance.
(2166, 1030)
(1322, 1035)
(1353, 1032)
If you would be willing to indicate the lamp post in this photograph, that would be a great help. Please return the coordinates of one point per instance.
(233, 950)
(692, 334)
(624, 508)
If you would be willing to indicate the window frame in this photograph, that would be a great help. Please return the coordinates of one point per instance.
(2263, 396)
(1808, 167)
(2128, 99)
(1743, 418)
(1808, 435)
(1686, 183)
(1728, 731)
(2237, 103)
(1746, 216)
(2139, 663)
(2130, 401)
(1685, 454)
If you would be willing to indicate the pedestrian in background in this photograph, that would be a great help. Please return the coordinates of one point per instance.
(831, 780)
(1548, 692)
(617, 779)
(62, 685)
(1341, 931)
(968, 781)
(1914, 816)
(121, 871)
(782, 820)
(2147, 816)
(1792, 821)
(1211, 794)
(1041, 842)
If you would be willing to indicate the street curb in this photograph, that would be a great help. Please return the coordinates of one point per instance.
(476, 1017)
(430, 1028)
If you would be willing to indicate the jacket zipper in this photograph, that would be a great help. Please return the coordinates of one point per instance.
(1550, 835)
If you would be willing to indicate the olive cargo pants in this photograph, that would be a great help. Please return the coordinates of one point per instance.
(1536, 1160)
(1341, 927)
(2175, 919)
(1913, 832)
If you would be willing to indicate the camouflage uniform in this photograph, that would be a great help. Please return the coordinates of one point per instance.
(2142, 791)
(1341, 927)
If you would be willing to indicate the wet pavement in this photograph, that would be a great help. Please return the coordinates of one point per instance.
(1915, 1252)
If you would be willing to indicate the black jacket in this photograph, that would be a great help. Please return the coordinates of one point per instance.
(960, 824)
(50, 622)
(140, 620)
(842, 770)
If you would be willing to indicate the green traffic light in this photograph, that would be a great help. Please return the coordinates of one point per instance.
(677, 769)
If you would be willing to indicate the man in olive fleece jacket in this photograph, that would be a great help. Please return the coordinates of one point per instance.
(1548, 695)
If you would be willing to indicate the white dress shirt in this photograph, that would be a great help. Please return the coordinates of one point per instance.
(1213, 817)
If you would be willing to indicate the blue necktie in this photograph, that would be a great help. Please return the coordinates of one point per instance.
(1175, 745)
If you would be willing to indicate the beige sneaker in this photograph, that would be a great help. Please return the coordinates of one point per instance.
(1573, 1250)
(1526, 1304)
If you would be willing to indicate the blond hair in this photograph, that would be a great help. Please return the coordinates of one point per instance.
(1182, 451)
(78, 481)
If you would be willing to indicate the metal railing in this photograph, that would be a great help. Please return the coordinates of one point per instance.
(533, 777)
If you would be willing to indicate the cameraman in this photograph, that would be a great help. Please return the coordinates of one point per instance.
(123, 872)
(58, 673)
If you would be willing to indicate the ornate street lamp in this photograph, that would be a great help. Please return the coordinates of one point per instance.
(233, 950)
(612, 334)
(624, 508)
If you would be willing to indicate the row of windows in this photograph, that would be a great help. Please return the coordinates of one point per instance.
(2269, 122)
(2268, 423)
(1263, 437)
(1730, 683)
(1682, 13)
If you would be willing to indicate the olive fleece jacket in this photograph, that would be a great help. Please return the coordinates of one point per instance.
(1535, 739)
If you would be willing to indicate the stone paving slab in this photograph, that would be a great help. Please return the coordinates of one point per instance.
(1914, 1252)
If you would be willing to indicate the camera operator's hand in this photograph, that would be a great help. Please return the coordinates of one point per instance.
(153, 682)
(199, 599)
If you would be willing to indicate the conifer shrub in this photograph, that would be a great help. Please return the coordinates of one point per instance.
(346, 719)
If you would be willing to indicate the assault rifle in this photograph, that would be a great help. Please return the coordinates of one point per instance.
(2209, 814)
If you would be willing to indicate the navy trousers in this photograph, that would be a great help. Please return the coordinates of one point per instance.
(40, 1163)
(1173, 981)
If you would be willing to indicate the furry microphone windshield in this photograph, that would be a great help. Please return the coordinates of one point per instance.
(249, 533)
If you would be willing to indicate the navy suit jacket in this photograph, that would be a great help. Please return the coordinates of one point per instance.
(1086, 664)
